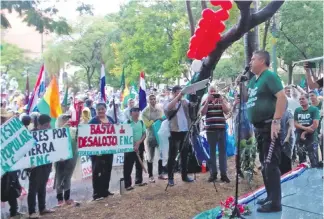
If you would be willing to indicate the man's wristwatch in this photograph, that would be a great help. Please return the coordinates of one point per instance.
(276, 121)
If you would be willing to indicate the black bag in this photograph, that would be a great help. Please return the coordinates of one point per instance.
(175, 113)
(10, 186)
(194, 166)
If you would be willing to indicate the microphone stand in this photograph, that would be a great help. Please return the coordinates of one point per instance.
(236, 212)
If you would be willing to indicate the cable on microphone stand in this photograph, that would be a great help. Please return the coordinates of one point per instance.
(236, 212)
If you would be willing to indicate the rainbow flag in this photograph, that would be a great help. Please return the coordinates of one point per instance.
(50, 103)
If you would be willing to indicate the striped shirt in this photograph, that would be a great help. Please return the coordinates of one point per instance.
(215, 118)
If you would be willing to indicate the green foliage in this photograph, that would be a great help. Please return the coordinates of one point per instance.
(16, 65)
(90, 44)
(42, 19)
(154, 39)
(232, 66)
(302, 22)
(55, 56)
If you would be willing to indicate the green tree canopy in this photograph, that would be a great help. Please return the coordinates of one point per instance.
(301, 32)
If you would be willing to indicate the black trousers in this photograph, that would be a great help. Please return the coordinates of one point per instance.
(65, 195)
(9, 187)
(270, 172)
(37, 187)
(310, 147)
(175, 144)
(150, 168)
(13, 203)
(129, 159)
(101, 172)
(285, 164)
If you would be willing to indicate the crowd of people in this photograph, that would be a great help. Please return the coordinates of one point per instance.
(287, 116)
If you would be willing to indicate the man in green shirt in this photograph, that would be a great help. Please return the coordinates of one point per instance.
(139, 135)
(306, 122)
(266, 105)
(319, 105)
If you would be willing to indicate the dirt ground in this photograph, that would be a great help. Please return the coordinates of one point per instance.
(181, 201)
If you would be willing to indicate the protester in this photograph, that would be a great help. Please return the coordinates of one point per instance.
(25, 120)
(64, 169)
(10, 186)
(101, 164)
(287, 141)
(306, 122)
(293, 92)
(266, 105)
(3, 103)
(139, 136)
(88, 103)
(38, 177)
(292, 99)
(130, 105)
(115, 111)
(310, 81)
(151, 114)
(214, 107)
(177, 112)
(85, 116)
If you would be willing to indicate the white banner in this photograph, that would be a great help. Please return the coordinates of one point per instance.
(87, 167)
(99, 139)
(24, 181)
(16, 141)
(52, 145)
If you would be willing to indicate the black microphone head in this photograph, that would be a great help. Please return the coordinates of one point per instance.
(247, 68)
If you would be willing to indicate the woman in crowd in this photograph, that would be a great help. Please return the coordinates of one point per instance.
(101, 164)
(64, 169)
(85, 116)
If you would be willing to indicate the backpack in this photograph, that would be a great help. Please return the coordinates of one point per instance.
(129, 122)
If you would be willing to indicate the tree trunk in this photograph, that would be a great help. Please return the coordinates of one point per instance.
(251, 40)
(190, 17)
(246, 22)
(203, 4)
(88, 78)
(265, 34)
(290, 73)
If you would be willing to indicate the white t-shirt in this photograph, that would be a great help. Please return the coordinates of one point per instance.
(181, 117)
(293, 104)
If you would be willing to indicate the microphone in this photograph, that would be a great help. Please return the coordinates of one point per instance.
(244, 76)
(246, 70)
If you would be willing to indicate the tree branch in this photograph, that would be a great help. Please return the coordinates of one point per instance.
(265, 35)
(203, 4)
(290, 41)
(283, 68)
(93, 70)
(190, 17)
(232, 35)
(246, 22)
(265, 13)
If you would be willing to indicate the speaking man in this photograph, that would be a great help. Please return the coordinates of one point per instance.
(266, 105)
